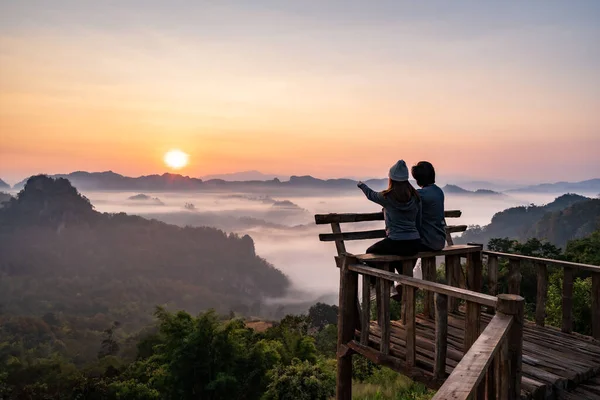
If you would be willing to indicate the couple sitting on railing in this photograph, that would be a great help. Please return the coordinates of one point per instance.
(414, 219)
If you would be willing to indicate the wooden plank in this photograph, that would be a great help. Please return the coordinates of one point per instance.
(441, 333)
(467, 295)
(567, 301)
(348, 293)
(542, 294)
(459, 249)
(547, 261)
(366, 310)
(429, 274)
(385, 314)
(374, 234)
(514, 276)
(410, 327)
(472, 324)
(464, 380)
(596, 305)
(321, 219)
(514, 306)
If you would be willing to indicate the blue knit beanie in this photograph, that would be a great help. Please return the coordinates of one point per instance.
(399, 171)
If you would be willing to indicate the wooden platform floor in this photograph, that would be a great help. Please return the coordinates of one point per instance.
(554, 363)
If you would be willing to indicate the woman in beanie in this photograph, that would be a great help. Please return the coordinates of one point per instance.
(401, 207)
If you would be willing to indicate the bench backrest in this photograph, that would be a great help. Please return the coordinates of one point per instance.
(339, 237)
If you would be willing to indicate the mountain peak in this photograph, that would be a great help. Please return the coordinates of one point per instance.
(50, 200)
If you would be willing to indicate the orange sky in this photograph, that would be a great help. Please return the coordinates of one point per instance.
(292, 92)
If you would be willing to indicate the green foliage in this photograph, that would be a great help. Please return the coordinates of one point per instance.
(582, 303)
(385, 384)
(362, 368)
(326, 341)
(322, 314)
(301, 380)
(586, 250)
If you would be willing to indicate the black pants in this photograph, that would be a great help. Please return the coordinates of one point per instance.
(396, 248)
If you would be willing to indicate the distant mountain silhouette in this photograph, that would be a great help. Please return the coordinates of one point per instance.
(453, 189)
(245, 176)
(4, 185)
(58, 254)
(520, 222)
(574, 222)
(589, 186)
(172, 182)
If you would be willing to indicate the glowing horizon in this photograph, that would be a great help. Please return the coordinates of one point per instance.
(328, 89)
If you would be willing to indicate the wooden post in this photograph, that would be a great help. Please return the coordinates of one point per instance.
(596, 305)
(513, 305)
(472, 325)
(473, 310)
(474, 272)
(514, 277)
(453, 271)
(567, 301)
(542, 294)
(384, 313)
(441, 333)
(429, 274)
(410, 326)
(366, 310)
(341, 250)
(346, 324)
(407, 269)
(492, 266)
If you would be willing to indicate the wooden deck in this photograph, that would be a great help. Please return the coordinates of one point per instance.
(555, 364)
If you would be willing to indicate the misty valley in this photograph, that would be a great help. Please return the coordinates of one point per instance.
(104, 282)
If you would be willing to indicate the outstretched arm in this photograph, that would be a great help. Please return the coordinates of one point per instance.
(375, 197)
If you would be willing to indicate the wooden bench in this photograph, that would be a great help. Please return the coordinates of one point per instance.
(452, 253)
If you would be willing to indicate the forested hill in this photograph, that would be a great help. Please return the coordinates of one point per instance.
(59, 255)
(524, 222)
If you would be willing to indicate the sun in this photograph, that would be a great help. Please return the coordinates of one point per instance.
(176, 159)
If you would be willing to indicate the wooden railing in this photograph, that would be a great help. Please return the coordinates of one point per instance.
(339, 236)
(495, 354)
(514, 286)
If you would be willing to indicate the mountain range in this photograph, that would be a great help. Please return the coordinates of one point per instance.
(250, 180)
(568, 217)
(57, 254)
(4, 185)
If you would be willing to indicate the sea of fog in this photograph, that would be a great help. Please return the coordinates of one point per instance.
(283, 227)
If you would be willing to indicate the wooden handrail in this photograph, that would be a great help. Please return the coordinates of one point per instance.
(463, 294)
(497, 353)
(514, 285)
(470, 371)
(362, 217)
(549, 261)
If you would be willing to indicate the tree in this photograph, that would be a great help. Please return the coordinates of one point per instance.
(301, 381)
(586, 250)
(322, 314)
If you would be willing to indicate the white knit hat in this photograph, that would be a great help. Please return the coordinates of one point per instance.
(399, 171)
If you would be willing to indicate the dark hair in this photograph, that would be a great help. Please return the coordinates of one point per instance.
(401, 191)
(423, 173)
